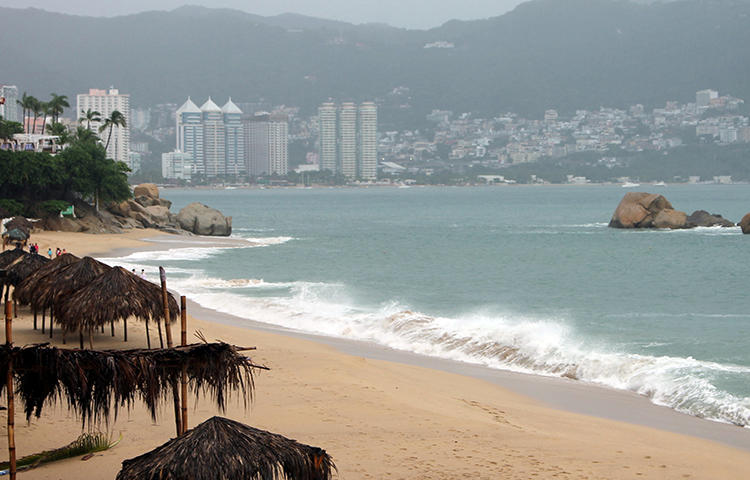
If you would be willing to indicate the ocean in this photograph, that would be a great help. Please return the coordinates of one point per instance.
(522, 278)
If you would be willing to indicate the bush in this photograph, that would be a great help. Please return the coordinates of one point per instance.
(12, 207)
(52, 207)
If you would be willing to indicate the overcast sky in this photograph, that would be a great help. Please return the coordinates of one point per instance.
(400, 13)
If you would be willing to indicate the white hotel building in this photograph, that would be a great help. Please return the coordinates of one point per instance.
(105, 102)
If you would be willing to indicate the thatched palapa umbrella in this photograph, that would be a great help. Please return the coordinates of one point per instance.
(26, 290)
(8, 257)
(19, 271)
(116, 295)
(222, 449)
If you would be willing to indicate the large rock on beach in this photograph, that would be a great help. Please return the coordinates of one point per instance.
(641, 209)
(147, 190)
(204, 220)
(701, 218)
(745, 223)
(159, 215)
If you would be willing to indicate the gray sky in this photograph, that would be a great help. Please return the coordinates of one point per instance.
(400, 13)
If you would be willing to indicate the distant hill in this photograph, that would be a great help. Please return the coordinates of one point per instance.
(543, 54)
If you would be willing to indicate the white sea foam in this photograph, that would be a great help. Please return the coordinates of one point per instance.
(511, 342)
(267, 241)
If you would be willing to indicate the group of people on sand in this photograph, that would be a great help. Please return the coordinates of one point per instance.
(34, 248)
(58, 252)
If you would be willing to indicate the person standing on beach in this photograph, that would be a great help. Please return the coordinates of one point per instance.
(49, 252)
(143, 274)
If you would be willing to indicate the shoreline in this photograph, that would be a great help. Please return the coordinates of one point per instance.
(382, 413)
(574, 396)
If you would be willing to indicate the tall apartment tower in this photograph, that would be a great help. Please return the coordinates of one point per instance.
(328, 147)
(234, 139)
(348, 139)
(9, 103)
(267, 140)
(105, 102)
(367, 152)
(190, 133)
(214, 147)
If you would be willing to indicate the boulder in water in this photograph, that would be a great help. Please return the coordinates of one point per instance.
(204, 220)
(701, 218)
(745, 223)
(641, 210)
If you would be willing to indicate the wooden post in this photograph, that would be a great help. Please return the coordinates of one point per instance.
(15, 306)
(125, 329)
(175, 392)
(44, 311)
(161, 338)
(34, 318)
(148, 336)
(80, 338)
(183, 342)
(11, 398)
(112, 324)
(51, 320)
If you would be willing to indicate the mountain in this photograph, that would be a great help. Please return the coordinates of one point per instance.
(543, 54)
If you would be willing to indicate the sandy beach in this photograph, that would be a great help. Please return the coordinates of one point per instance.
(405, 419)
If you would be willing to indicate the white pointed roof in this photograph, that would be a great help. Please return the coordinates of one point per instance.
(210, 106)
(230, 107)
(188, 107)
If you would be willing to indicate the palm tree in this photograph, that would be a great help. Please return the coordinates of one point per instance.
(90, 116)
(116, 119)
(46, 108)
(27, 104)
(36, 108)
(58, 104)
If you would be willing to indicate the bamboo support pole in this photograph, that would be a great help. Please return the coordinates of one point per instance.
(183, 342)
(51, 320)
(175, 392)
(15, 306)
(44, 311)
(80, 338)
(161, 338)
(148, 336)
(11, 397)
(112, 324)
(34, 318)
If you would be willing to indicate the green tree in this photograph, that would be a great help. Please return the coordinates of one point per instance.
(27, 104)
(8, 129)
(90, 116)
(61, 131)
(46, 110)
(58, 104)
(91, 173)
(116, 119)
(36, 109)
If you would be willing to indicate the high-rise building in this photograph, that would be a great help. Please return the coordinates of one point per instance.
(9, 103)
(177, 165)
(105, 102)
(267, 144)
(328, 148)
(348, 139)
(234, 139)
(367, 161)
(190, 133)
(214, 147)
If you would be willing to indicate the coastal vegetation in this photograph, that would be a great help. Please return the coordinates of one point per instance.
(38, 181)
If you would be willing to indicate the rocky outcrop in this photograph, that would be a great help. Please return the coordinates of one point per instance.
(146, 190)
(650, 210)
(204, 220)
(641, 210)
(745, 223)
(701, 218)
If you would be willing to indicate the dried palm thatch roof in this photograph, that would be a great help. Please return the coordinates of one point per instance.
(93, 382)
(24, 292)
(8, 257)
(222, 449)
(22, 269)
(67, 281)
(114, 295)
(21, 223)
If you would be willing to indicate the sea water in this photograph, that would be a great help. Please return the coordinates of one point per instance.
(528, 279)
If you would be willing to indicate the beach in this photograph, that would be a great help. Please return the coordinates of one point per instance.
(410, 418)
